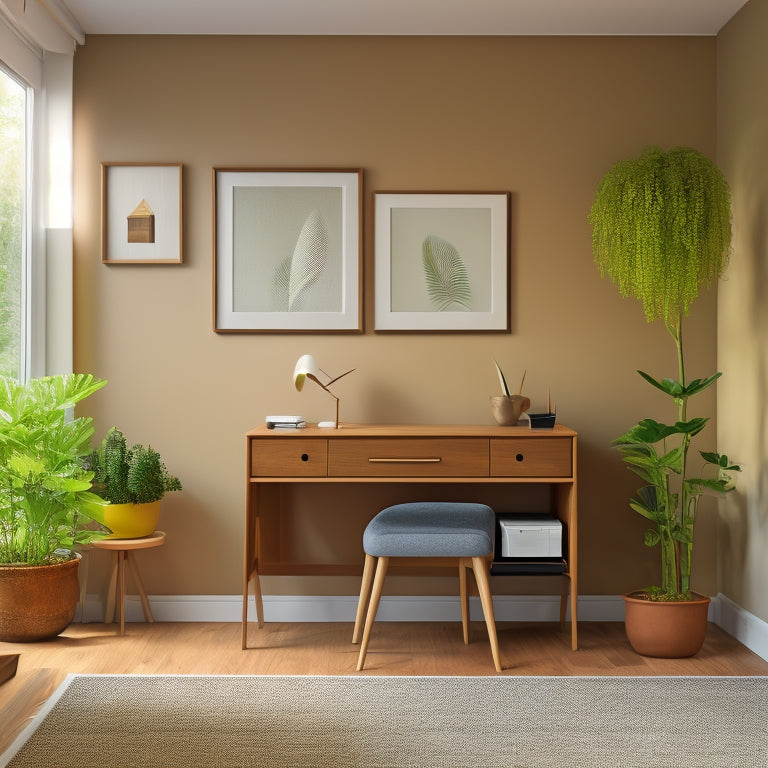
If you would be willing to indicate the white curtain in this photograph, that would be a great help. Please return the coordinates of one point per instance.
(37, 41)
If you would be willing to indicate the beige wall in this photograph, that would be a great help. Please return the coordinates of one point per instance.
(541, 117)
(743, 311)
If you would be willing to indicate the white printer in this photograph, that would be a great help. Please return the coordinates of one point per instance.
(531, 536)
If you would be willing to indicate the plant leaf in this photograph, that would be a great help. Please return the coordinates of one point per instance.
(446, 274)
(719, 460)
(502, 380)
(309, 257)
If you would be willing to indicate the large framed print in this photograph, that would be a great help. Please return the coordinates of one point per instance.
(441, 261)
(287, 250)
(141, 214)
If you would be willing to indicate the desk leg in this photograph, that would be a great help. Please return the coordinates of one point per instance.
(131, 560)
(574, 624)
(254, 578)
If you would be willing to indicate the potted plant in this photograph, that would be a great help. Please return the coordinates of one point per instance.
(507, 408)
(133, 480)
(661, 230)
(47, 507)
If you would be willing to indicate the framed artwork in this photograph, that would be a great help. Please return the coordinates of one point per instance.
(287, 250)
(442, 261)
(141, 213)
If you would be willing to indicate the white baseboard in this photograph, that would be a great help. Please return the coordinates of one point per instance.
(323, 608)
(744, 626)
(747, 628)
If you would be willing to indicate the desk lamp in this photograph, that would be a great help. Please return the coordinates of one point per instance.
(306, 368)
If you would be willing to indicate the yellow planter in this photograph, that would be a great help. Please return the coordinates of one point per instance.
(131, 521)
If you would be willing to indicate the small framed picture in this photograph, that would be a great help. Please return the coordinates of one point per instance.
(287, 250)
(141, 214)
(441, 261)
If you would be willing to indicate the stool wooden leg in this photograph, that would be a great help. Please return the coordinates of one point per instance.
(121, 589)
(83, 584)
(464, 598)
(365, 592)
(109, 611)
(378, 583)
(480, 568)
(131, 560)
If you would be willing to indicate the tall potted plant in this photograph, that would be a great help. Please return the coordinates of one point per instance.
(133, 480)
(47, 508)
(661, 231)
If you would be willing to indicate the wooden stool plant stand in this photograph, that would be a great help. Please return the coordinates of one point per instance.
(122, 550)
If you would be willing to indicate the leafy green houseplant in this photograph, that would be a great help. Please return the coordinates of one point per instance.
(133, 479)
(47, 507)
(661, 231)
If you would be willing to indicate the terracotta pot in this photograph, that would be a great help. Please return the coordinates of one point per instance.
(506, 409)
(666, 629)
(131, 521)
(37, 601)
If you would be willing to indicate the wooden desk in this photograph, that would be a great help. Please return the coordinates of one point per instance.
(510, 460)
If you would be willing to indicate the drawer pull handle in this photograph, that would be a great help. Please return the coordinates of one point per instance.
(519, 457)
(404, 460)
(304, 457)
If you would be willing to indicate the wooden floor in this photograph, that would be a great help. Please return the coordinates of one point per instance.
(325, 649)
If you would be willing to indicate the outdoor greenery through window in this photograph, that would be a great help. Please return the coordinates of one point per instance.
(13, 241)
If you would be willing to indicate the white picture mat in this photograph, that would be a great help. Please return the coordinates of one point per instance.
(477, 224)
(126, 187)
(231, 184)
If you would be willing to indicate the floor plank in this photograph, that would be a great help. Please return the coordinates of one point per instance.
(407, 648)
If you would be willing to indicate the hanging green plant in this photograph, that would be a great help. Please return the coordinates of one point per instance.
(662, 228)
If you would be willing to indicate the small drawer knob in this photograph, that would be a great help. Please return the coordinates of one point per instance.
(519, 457)
(304, 457)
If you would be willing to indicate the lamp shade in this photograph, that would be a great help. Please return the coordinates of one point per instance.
(305, 367)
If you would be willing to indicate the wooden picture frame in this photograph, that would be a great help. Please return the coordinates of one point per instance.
(442, 261)
(287, 250)
(141, 213)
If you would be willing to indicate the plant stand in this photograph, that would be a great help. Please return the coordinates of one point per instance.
(122, 550)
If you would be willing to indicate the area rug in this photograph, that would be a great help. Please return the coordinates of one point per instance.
(193, 721)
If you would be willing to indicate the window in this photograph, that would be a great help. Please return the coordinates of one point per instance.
(14, 226)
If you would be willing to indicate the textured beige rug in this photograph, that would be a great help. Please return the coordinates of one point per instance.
(398, 722)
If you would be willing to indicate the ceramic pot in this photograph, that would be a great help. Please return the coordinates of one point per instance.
(506, 409)
(37, 601)
(666, 629)
(131, 521)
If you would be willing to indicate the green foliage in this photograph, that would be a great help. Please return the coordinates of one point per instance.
(446, 274)
(135, 475)
(662, 228)
(46, 503)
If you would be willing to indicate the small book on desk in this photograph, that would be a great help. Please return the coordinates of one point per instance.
(285, 422)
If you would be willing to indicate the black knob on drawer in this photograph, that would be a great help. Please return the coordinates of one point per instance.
(519, 457)
(304, 457)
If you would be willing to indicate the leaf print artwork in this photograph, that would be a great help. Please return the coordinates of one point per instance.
(446, 274)
(296, 274)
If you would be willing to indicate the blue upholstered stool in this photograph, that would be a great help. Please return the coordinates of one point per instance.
(429, 529)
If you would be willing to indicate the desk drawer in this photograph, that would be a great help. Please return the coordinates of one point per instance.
(531, 457)
(289, 457)
(417, 457)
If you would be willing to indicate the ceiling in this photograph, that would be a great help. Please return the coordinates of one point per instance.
(404, 17)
